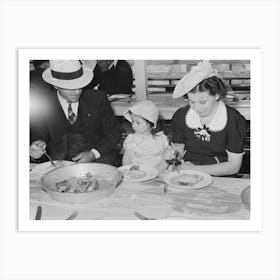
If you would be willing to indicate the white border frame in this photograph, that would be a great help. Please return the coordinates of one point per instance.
(254, 55)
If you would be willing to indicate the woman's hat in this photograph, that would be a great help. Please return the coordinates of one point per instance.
(67, 74)
(146, 109)
(198, 73)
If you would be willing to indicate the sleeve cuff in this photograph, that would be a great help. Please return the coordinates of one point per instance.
(96, 153)
(241, 153)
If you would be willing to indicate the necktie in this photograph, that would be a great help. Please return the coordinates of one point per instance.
(71, 116)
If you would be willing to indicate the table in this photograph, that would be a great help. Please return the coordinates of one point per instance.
(219, 201)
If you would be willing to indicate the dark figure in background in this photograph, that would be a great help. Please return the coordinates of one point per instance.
(37, 84)
(73, 124)
(112, 76)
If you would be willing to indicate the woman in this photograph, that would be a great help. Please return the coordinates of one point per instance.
(212, 132)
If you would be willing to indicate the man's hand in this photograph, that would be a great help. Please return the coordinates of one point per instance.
(37, 148)
(84, 157)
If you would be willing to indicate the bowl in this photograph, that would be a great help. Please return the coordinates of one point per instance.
(109, 175)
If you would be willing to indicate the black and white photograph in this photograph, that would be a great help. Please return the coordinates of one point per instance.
(138, 139)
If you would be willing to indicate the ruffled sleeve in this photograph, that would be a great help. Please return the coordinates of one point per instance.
(236, 133)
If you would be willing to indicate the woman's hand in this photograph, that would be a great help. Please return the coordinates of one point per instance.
(84, 157)
(37, 149)
(173, 151)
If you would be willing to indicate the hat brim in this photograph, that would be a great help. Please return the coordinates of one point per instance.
(198, 73)
(137, 111)
(81, 82)
(187, 83)
(126, 114)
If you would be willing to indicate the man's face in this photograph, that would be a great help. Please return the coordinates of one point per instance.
(72, 95)
(104, 64)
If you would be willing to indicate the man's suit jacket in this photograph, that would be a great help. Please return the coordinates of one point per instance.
(99, 125)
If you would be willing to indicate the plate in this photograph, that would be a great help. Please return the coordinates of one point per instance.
(45, 167)
(148, 173)
(119, 96)
(193, 179)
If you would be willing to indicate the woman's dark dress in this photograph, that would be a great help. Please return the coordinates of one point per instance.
(209, 149)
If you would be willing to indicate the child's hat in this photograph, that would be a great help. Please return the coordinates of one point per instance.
(146, 109)
(201, 71)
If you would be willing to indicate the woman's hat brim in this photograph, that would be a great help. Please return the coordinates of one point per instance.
(80, 82)
(187, 83)
(198, 73)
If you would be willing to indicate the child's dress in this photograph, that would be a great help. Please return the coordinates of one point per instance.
(146, 149)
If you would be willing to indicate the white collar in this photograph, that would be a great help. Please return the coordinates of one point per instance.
(114, 63)
(64, 104)
(217, 123)
(60, 98)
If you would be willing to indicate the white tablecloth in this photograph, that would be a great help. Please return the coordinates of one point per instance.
(220, 201)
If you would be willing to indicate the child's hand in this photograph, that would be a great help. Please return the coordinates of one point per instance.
(170, 153)
(180, 150)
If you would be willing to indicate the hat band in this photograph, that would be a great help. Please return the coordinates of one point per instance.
(67, 76)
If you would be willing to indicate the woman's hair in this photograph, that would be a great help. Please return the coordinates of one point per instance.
(213, 85)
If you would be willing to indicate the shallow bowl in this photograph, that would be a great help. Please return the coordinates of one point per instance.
(101, 172)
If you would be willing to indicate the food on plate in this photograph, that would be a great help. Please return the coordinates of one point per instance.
(186, 179)
(133, 172)
(134, 167)
(80, 184)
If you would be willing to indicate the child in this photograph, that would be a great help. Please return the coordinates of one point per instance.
(145, 146)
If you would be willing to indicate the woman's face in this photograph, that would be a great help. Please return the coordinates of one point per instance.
(139, 124)
(203, 103)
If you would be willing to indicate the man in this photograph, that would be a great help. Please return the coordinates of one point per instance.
(74, 125)
(112, 76)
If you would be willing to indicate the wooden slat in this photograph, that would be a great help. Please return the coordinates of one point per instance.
(140, 79)
(178, 76)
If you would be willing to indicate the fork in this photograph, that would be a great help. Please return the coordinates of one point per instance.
(52, 162)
